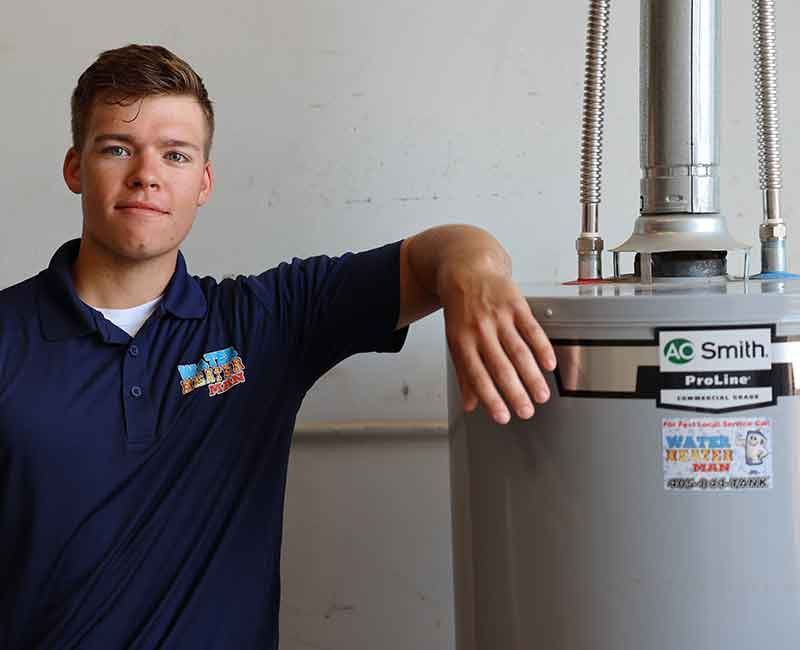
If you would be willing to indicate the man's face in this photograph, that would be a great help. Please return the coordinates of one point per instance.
(141, 174)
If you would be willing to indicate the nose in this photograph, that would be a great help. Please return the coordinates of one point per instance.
(144, 172)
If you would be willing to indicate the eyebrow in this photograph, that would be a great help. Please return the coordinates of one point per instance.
(120, 137)
(180, 143)
(165, 142)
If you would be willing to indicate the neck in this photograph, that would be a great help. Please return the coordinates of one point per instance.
(103, 279)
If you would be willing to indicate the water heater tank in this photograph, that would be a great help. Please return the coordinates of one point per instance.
(654, 502)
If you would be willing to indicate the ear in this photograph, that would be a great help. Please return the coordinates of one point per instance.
(72, 170)
(208, 184)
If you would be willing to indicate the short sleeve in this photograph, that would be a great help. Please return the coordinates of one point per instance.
(335, 307)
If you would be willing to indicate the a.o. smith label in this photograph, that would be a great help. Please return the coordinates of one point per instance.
(716, 369)
(717, 454)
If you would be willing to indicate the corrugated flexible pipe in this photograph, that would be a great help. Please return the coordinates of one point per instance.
(589, 244)
(772, 231)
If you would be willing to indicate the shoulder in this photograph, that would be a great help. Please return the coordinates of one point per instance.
(20, 327)
(291, 285)
(238, 298)
(278, 285)
(18, 302)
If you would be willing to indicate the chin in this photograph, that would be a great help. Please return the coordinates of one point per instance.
(135, 244)
(142, 252)
(138, 251)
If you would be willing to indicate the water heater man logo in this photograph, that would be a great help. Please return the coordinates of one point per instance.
(679, 351)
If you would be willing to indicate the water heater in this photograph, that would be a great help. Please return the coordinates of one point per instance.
(654, 502)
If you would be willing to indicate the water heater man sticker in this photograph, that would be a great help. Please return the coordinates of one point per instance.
(714, 454)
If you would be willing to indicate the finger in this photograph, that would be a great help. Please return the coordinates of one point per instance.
(533, 333)
(505, 375)
(470, 401)
(480, 382)
(521, 357)
(468, 397)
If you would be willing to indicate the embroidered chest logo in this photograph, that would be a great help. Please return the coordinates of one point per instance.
(220, 371)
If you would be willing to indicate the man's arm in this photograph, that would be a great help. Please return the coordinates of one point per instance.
(494, 340)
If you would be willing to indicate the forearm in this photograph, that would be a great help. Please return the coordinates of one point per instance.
(441, 258)
(436, 256)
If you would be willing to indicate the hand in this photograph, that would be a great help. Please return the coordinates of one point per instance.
(496, 344)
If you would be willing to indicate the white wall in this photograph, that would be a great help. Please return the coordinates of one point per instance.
(345, 125)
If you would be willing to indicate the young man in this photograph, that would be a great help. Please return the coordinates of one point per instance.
(146, 415)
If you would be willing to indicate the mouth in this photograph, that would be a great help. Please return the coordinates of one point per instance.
(142, 207)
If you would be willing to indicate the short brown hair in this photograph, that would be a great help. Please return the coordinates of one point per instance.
(126, 75)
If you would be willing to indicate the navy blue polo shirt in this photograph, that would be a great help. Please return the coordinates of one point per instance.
(143, 479)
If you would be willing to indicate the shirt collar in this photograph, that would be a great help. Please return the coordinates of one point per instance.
(64, 315)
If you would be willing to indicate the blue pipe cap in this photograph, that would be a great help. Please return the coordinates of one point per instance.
(775, 275)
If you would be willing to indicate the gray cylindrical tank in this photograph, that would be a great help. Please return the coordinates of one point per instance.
(654, 502)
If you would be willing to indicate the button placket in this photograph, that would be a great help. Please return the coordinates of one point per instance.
(139, 412)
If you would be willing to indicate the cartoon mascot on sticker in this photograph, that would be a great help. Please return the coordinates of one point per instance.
(755, 448)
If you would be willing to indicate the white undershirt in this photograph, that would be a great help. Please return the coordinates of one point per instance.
(130, 320)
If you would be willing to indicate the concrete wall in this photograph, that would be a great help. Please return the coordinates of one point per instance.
(343, 125)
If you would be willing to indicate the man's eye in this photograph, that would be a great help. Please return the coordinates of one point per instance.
(115, 150)
(177, 156)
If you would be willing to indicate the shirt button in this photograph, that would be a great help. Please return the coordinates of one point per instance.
(133, 350)
(136, 391)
